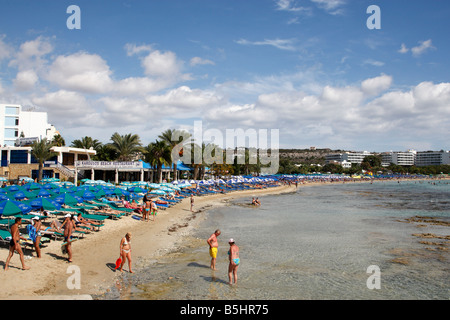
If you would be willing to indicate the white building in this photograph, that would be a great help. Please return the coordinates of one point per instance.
(399, 158)
(432, 158)
(347, 158)
(14, 122)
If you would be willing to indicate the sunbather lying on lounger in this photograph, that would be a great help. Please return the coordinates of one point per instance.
(74, 223)
(81, 221)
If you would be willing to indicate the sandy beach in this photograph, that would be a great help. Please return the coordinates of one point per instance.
(95, 255)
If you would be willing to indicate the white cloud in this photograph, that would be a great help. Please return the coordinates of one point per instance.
(417, 51)
(289, 5)
(403, 49)
(68, 108)
(422, 48)
(197, 60)
(283, 44)
(81, 71)
(31, 54)
(25, 80)
(375, 86)
(133, 49)
(184, 102)
(162, 64)
(5, 49)
(374, 63)
(331, 6)
(139, 86)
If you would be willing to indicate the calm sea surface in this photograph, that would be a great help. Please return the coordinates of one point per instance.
(314, 243)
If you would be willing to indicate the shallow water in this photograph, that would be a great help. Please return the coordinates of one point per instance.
(314, 243)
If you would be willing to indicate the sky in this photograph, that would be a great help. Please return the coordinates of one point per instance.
(311, 69)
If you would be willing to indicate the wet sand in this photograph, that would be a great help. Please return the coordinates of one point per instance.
(96, 254)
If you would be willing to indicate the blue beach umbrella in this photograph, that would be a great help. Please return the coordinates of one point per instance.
(157, 191)
(66, 198)
(136, 190)
(50, 186)
(11, 208)
(13, 188)
(85, 194)
(19, 195)
(121, 192)
(3, 197)
(43, 193)
(32, 186)
(45, 203)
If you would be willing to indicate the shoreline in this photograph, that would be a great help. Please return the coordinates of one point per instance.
(96, 254)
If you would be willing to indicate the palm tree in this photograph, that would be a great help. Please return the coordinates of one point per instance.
(198, 162)
(173, 138)
(127, 146)
(157, 154)
(41, 150)
(105, 153)
(58, 141)
(86, 143)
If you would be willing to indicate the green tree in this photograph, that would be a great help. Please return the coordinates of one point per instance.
(173, 138)
(126, 146)
(105, 153)
(86, 143)
(158, 154)
(371, 162)
(41, 150)
(58, 141)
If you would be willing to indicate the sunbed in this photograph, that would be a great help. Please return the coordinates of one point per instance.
(5, 236)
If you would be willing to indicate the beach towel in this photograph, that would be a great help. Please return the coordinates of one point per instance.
(32, 232)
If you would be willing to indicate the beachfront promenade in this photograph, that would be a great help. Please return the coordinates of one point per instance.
(113, 211)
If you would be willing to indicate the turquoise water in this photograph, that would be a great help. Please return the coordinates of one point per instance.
(314, 243)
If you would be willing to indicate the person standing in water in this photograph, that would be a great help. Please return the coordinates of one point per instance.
(213, 247)
(233, 256)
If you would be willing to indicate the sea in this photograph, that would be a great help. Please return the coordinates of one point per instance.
(339, 241)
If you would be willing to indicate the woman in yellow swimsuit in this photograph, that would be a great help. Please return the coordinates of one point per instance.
(125, 251)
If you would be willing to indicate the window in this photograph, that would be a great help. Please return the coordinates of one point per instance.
(11, 110)
(11, 133)
(11, 122)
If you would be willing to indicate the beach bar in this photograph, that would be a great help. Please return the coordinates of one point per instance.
(108, 167)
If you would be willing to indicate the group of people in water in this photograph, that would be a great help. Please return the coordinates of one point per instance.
(256, 202)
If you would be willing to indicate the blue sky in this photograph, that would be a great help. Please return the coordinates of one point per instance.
(310, 68)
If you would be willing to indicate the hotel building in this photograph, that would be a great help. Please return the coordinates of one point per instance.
(347, 157)
(432, 158)
(399, 158)
(15, 123)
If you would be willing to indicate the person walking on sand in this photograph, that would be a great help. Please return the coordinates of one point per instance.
(192, 203)
(34, 232)
(154, 209)
(14, 244)
(147, 208)
(125, 251)
(68, 226)
(233, 256)
(213, 247)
